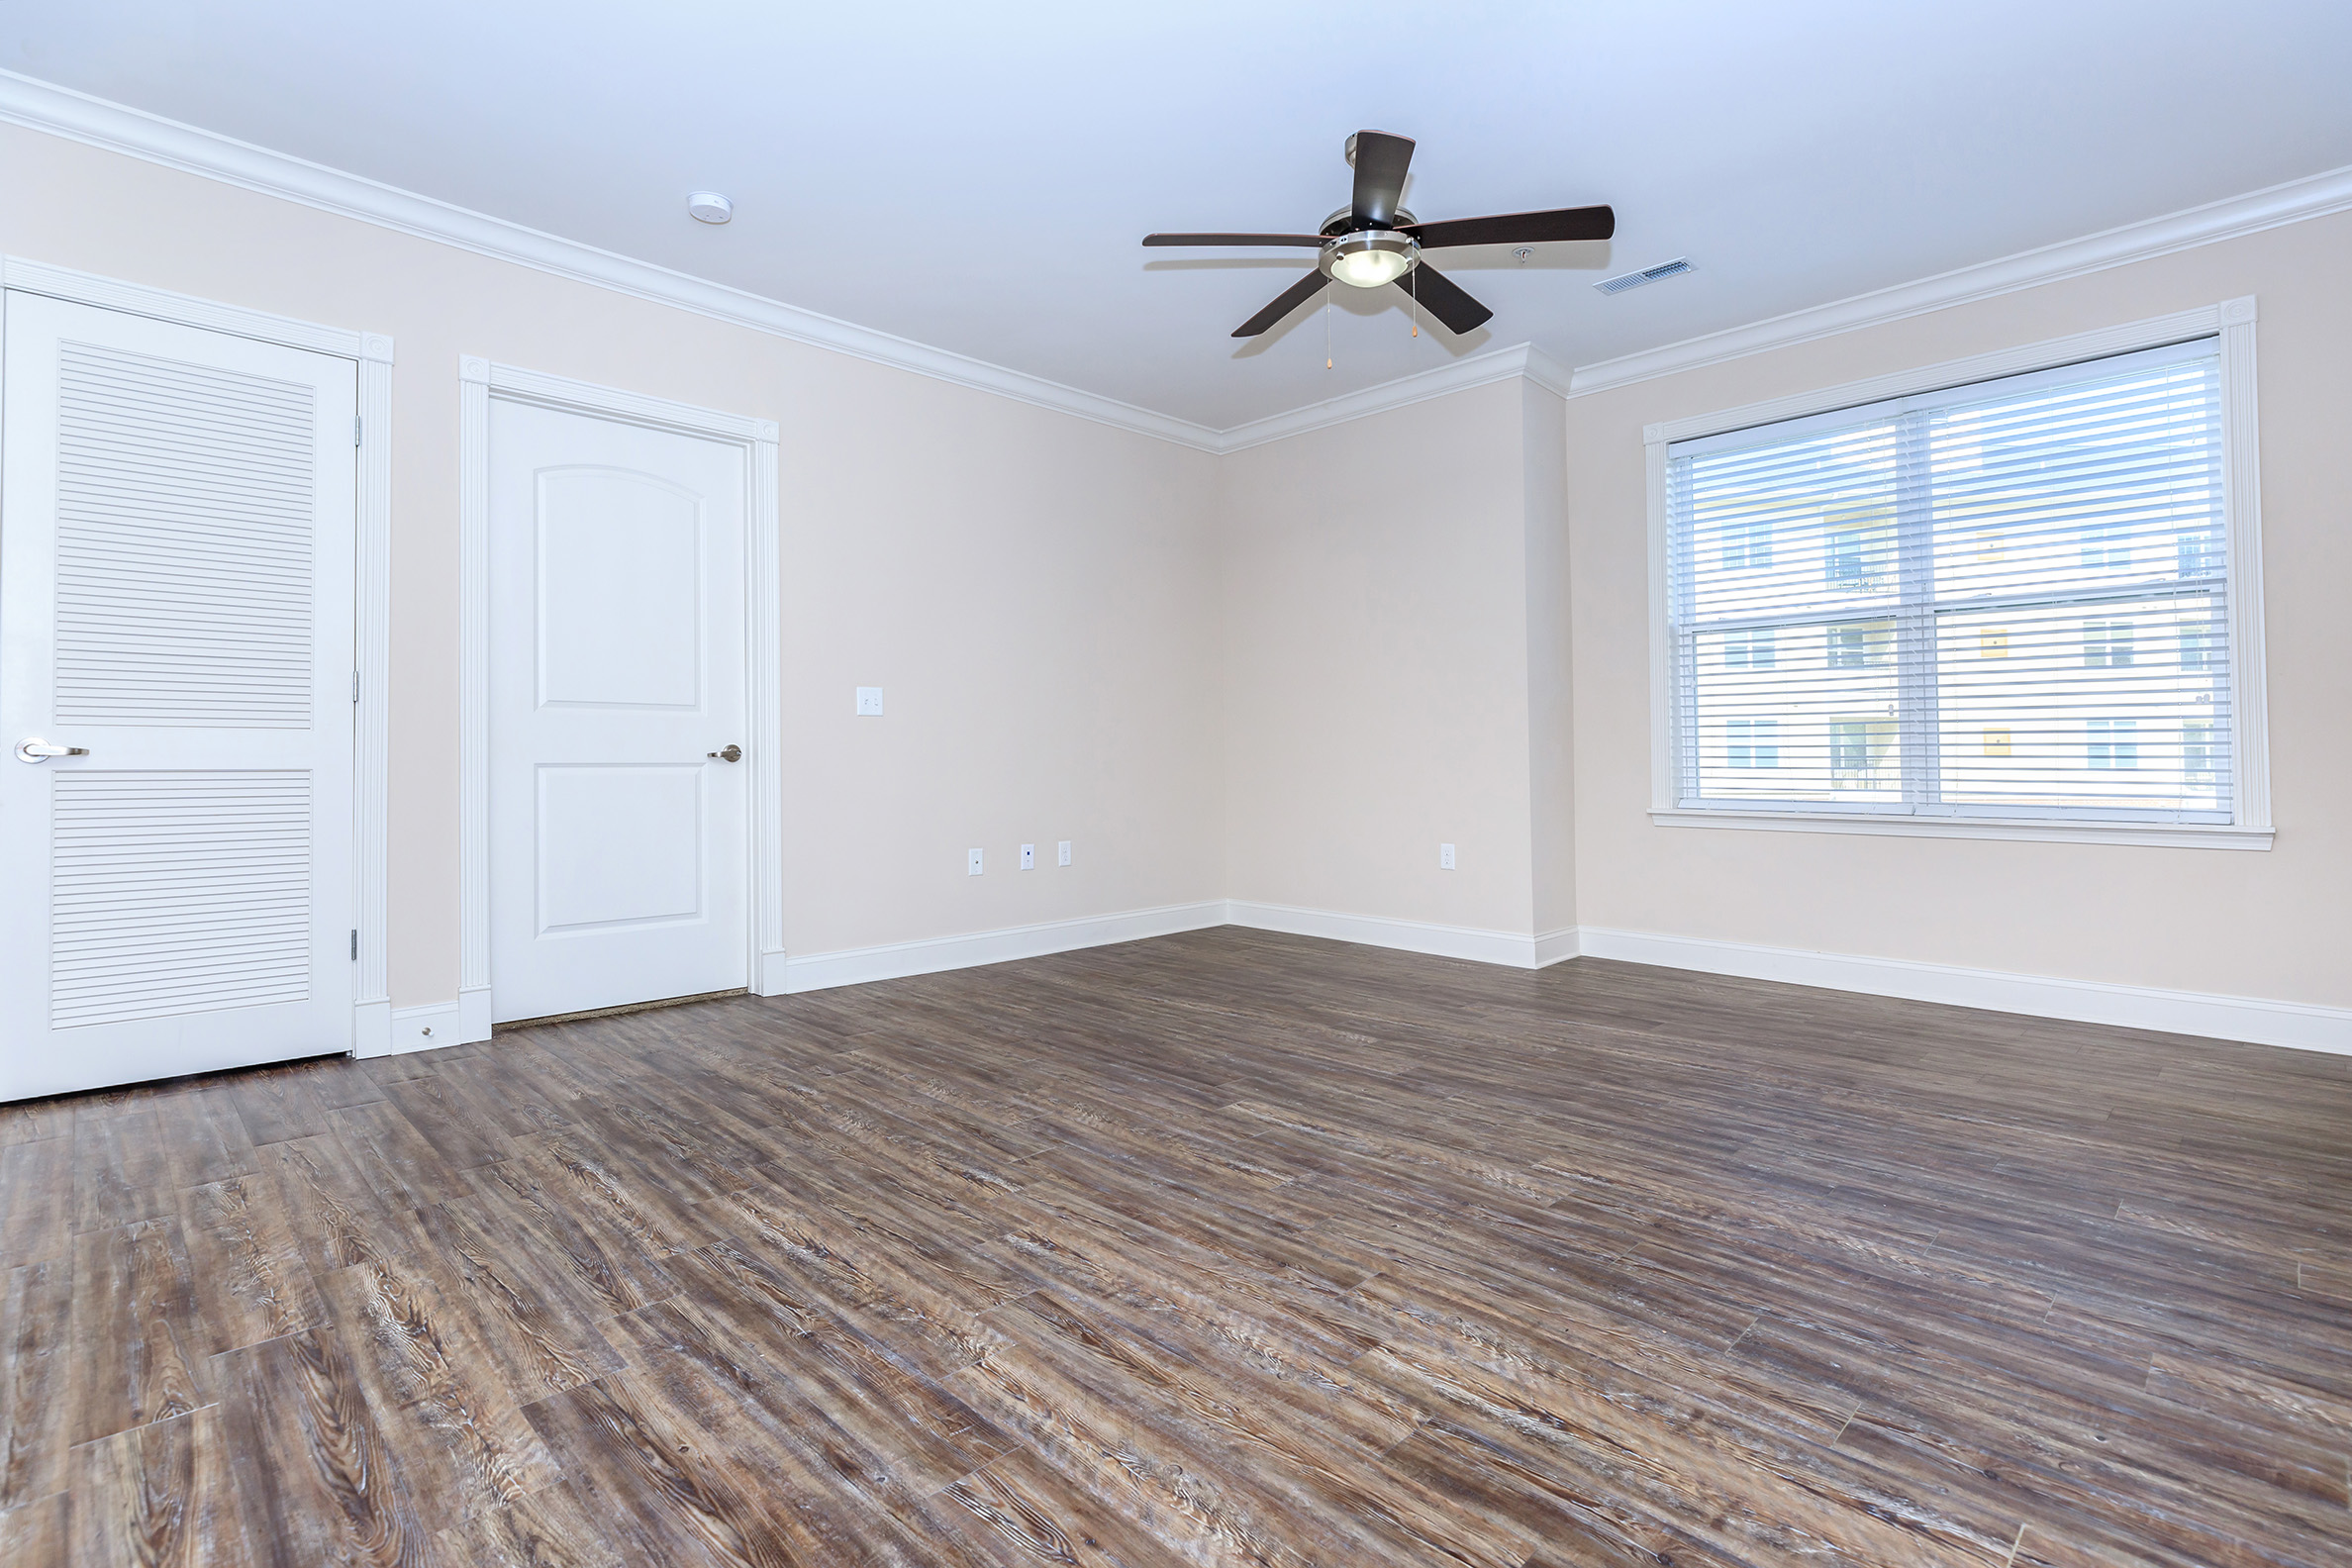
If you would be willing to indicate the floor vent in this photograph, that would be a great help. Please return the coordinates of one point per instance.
(1632, 280)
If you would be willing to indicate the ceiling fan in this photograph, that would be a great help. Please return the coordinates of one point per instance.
(1372, 241)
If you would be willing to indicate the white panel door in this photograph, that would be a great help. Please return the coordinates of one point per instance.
(176, 586)
(617, 839)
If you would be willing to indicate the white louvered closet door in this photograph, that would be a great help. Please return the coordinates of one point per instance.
(176, 585)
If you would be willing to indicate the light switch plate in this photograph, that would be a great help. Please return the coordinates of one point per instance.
(1028, 857)
(971, 862)
(869, 702)
(1065, 851)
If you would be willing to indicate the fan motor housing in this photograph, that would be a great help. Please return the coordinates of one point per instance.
(1343, 222)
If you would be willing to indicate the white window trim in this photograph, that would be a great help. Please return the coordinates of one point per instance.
(2232, 322)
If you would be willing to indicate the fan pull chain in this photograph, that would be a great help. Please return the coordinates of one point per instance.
(1415, 290)
(1326, 326)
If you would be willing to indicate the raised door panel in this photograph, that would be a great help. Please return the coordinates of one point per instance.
(621, 569)
(618, 846)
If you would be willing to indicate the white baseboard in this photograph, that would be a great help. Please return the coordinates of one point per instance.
(473, 1016)
(771, 975)
(2296, 1025)
(427, 1027)
(1557, 947)
(896, 960)
(371, 1029)
(2302, 1025)
(1515, 949)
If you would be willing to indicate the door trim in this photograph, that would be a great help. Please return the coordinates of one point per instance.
(479, 381)
(372, 1020)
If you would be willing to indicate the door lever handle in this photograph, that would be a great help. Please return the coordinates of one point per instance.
(35, 749)
(733, 754)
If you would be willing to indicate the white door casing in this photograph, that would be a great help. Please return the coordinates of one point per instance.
(177, 597)
(616, 621)
(483, 385)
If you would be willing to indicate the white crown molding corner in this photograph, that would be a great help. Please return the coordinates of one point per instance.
(1512, 949)
(1476, 371)
(116, 127)
(2293, 1025)
(898, 961)
(2316, 196)
(1548, 373)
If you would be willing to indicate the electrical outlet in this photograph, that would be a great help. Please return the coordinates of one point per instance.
(1028, 857)
(869, 702)
(1446, 857)
(1065, 851)
(971, 862)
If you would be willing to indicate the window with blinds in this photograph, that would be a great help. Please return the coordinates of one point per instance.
(2002, 601)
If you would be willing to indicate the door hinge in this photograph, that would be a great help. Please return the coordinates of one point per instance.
(358, 429)
(354, 945)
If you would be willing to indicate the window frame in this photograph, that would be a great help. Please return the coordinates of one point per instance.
(2233, 324)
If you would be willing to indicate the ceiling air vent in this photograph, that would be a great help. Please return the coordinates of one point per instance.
(1633, 280)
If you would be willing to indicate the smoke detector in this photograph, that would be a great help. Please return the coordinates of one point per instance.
(1633, 280)
(710, 207)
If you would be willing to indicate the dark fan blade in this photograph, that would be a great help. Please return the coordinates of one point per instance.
(1291, 299)
(1562, 223)
(1442, 299)
(1381, 161)
(1310, 242)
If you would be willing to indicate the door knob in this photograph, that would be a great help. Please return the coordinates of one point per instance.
(35, 749)
(733, 754)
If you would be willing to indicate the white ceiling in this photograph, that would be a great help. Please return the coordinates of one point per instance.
(977, 176)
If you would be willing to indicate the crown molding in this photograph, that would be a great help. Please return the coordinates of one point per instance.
(60, 110)
(1479, 370)
(1548, 373)
(2312, 197)
(116, 127)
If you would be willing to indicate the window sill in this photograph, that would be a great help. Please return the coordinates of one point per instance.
(2184, 835)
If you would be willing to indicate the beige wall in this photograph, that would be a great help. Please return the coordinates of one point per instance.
(1377, 625)
(2276, 925)
(1287, 674)
(1034, 592)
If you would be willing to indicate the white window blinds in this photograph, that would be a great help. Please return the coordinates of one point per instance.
(2000, 601)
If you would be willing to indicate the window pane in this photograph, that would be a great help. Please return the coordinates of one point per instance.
(2114, 480)
(1806, 715)
(1799, 529)
(2080, 710)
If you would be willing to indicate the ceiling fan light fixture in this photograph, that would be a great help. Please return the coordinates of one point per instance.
(1369, 259)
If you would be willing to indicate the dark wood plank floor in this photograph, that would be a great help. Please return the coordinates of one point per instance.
(1222, 1248)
